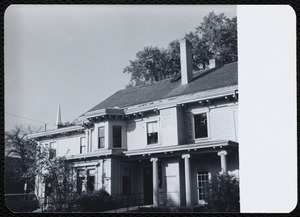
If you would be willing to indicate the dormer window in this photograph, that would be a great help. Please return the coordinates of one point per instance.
(152, 133)
(117, 136)
(200, 123)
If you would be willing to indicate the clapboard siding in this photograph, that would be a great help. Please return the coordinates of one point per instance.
(169, 133)
(136, 132)
(220, 123)
(69, 146)
(135, 135)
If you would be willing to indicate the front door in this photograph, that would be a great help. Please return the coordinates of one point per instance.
(148, 185)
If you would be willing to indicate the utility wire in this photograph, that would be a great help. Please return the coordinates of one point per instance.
(28, 118)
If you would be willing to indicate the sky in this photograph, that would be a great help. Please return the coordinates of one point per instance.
(75, 55)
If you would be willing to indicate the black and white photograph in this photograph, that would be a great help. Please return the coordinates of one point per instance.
(124, 109)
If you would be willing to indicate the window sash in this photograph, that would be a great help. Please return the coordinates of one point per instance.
(152, 127)
(117, 136)
(101, 137)
(202, 180)
(82, 145)
(152, 132)
(200, 125)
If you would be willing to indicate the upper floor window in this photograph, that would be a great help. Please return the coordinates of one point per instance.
(117, 136)
(82, 145)
(101, 137)
(152, 133)
(200, 122)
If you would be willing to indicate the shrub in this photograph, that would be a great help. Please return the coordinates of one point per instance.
(96, 201)
(222, 194)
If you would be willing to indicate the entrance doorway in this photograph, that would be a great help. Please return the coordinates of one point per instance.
(148, 185)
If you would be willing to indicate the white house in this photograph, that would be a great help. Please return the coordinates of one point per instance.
(162, 140)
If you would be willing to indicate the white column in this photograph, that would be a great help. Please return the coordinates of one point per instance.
(84, 186)
(222, 155)
(86, 141)
(187, 171)
(155, 181)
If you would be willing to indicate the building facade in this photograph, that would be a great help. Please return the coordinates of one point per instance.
(162, 140)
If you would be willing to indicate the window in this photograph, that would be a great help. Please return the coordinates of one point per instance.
(52, 149)
(117, 136)
(101, 137)
(82, 145)
(91, 180)
(80, 181)
(202, 180)
(126, 181)
(200, 121)
(152, 133)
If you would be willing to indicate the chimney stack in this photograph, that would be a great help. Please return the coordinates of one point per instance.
(186, 61)
(213, 63)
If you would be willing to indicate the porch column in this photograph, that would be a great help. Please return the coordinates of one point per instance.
(84, 186)
(155, 181)
(187, 171)
(222, 155)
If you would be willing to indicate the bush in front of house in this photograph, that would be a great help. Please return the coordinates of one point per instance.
(222, 194)
(96, 201)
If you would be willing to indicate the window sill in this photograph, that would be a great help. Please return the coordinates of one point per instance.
(100, 149)
(118, 148)
(202, 139)
(153, 145)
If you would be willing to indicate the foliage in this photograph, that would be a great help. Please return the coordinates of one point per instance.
(152, 64)
(215, 37)
(19, 146)
(219, 33)
(222, 194)
(67, 124)
(58, 175)
(96, 201)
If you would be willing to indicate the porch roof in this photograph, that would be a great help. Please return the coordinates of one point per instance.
(95, 154)
(185, 147)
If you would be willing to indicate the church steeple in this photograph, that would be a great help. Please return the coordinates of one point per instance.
(58, 117)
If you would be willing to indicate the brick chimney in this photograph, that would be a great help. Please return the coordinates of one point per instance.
(186, 61)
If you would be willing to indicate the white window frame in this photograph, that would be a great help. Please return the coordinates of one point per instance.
(197, 112)
(80, 145)
(98, 136)
(201, 201)
(158, 133)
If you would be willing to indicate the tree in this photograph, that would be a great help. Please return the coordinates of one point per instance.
(222, 194)
(219, 33)
(58, 175)
(215, 37)
(17, 145)
(151, 64)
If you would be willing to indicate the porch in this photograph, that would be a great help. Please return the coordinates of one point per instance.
(175, 176)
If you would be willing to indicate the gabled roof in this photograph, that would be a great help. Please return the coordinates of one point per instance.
(225, 75)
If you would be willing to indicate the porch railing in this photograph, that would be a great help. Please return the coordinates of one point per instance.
(127, 201)
(117, 201)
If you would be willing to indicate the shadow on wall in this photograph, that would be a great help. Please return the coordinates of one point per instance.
(131, 127)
